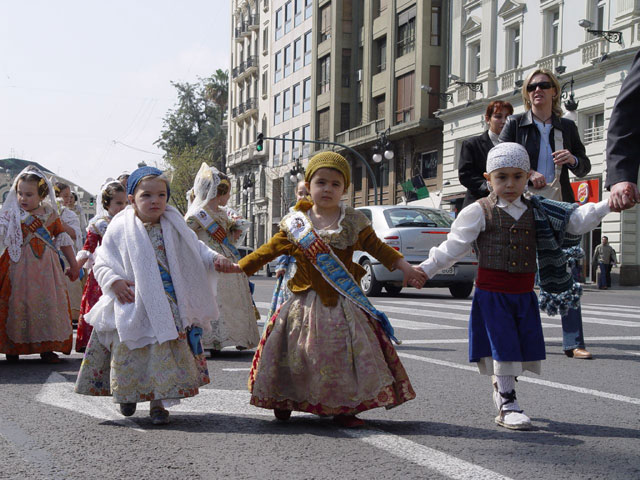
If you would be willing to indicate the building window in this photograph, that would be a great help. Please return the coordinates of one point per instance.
(265, 83)
(406, 31)
(513, 48)
(286, 105)
(405, 98)
(473, 67)
(277, 109)
(345, 114)
(279, 23)
(594, 130)
(308, 8)
(357, 177)
(552, 20)
(306, 135)
(325, 23)
(285, 149)
(346, 67)
(278, 67)
(599, 18)
(288, 60)
(429, 164)
(306, 102)
(436, 13)
(323, 124)
(263, 183)
(264, 125)
(324, 77)
(380, 62)
(297, 13)
(297, 99)
(265, 41)
(297, 54)
(308, 39)
(378, 107)
(379, 6)
(288, 16)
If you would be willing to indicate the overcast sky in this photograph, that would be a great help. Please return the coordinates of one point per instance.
(75, 76)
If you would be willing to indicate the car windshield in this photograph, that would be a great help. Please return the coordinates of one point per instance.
(417, 217)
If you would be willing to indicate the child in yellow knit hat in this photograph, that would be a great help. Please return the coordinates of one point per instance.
(327, 350)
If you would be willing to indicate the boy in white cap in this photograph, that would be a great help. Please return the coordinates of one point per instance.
(511, 230)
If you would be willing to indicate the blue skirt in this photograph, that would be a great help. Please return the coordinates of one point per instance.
(506, 327)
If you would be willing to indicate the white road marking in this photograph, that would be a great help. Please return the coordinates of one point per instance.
(546, 339)
(236, 369)
(632, 353)
(546, 383)
(430, 458)
(58, 391)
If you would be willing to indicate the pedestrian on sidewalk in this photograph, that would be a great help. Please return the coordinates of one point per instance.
(158, 297)
(505, 330)
(34, 304)
(605, 256)
(327, 350)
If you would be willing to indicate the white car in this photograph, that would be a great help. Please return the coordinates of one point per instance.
(412, 231)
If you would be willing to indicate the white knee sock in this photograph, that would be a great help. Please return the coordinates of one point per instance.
(507, 389)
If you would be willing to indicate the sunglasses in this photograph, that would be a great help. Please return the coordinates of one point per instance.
(543, 86)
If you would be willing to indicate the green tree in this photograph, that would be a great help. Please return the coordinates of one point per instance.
(193, 131)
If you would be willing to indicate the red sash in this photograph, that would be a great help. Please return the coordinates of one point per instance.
(505, 282)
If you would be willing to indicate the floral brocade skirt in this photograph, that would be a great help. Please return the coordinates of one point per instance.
(326, 360)
(155, 372)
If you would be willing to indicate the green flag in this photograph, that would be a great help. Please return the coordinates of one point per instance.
(415, 189)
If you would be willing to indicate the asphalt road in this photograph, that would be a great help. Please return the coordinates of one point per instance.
(587, 413)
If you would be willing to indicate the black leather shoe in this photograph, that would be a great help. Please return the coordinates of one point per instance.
(127, 409)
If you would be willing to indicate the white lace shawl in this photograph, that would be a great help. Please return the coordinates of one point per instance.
(70, 218)
(126, 253)
(205, 189)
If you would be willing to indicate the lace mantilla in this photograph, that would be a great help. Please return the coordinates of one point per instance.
(350, 224)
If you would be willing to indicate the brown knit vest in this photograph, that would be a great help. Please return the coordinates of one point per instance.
(507, 244)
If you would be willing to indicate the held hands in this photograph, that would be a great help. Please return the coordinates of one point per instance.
(72, 272)
(562, 157)
(413, 276)
(123, 292)
(624, 195)
(224, 265)
(537, 179)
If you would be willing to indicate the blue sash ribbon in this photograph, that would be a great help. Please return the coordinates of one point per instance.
(216, 231)
(35, 226)
(301, 232)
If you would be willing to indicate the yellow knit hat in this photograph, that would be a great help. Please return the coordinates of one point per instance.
(329, 160)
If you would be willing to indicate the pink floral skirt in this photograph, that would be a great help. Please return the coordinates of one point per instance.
(326, 360)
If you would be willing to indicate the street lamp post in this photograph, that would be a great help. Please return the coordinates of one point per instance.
(382, 149)
(247, 188)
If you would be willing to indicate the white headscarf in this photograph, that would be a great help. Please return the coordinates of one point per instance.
(508, 154)
(11, 213)
(205, 188)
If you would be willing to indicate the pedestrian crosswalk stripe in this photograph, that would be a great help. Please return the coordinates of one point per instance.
(546, 339)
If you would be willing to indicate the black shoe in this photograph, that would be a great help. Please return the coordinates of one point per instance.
(12, 358)
(127, 409)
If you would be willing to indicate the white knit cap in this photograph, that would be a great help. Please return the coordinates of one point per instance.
(508, 154)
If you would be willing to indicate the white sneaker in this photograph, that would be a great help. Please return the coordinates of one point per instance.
(514, 420)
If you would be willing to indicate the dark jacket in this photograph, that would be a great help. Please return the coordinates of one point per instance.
(471, 166)
(521, 129)
(623, 134)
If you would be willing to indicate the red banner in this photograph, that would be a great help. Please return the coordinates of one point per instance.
(586, 191)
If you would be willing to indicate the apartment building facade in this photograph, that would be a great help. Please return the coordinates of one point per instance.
(373, 64)
(496, 43)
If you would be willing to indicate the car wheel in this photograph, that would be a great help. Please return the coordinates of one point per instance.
(392, 289)
(269, 272)
(461, 290)
(370, 286)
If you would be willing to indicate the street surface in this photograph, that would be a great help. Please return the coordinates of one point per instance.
(587, 413)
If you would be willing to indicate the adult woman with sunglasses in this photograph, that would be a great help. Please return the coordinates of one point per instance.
(554, 148)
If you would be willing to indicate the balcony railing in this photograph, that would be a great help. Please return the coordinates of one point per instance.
(253, 21)
(250, 62)
(368, 129)
(593, 49)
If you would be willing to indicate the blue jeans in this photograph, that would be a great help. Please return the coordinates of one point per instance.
(572, 336)
(605, 275)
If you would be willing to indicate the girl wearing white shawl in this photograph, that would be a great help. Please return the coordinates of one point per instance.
(34, 306)
(220, 228)
(158, 284)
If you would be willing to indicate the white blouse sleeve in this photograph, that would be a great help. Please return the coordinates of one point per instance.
(464, 231)
(587, 217)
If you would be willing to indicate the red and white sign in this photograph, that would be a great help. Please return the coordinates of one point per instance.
(586, 191)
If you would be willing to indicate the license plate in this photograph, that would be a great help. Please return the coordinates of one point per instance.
(448, 271)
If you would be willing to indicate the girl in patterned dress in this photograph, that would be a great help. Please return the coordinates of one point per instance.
(34, 306)
(207, 216)
(158, 296)
(323, 352)
(112, 199)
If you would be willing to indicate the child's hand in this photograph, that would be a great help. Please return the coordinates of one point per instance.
(415, 277)
(123, 293)
(73, 273)
(225, 265)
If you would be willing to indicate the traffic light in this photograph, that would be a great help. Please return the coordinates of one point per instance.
(259, 142)
(92, 201)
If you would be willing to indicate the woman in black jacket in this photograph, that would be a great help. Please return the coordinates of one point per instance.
(473, 154)
(554, 148)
